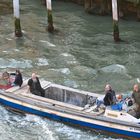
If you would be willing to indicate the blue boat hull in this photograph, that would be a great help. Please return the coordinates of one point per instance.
(69, 120)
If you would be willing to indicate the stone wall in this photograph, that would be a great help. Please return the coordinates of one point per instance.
(99, 7)
(103, 7)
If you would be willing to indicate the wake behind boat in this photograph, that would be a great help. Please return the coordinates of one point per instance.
(72, 106)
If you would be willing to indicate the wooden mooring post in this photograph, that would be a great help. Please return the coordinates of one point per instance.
(50, 27)
(87, 5)
(18, 32)
(115, 20)
(43, 2)
(104, 7)
(121, 9)
(138, 11)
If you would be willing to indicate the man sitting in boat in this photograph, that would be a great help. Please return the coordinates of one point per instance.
(109, 99)
(5, 81)
(110, 96)
(35, 87)
(135, 111)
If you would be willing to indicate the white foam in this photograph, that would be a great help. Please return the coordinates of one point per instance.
(115, 68)
(138, 80)
(16, 50)
(5, 51)
(66, 54)
(12, 63)
(9, 39)
(63, 70)
(42, 62)
(43, 124)
(47, 43)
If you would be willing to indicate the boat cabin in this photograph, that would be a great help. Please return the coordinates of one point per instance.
(68, 95)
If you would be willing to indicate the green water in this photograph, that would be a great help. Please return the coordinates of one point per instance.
(81, 54)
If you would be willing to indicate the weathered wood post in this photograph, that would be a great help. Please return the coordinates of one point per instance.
(92, 4)
(138, 11)
(109, 5)
(18, 32)
(50, 27)
(43, 2)
(104, 7)
(87, 5)
(115, 20)
(121, 8)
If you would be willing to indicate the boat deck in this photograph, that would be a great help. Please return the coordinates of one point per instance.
(22, 92)
(61, 109)
(16, 94)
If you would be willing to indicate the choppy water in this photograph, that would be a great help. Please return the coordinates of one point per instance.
(82, 54)
(32, 127)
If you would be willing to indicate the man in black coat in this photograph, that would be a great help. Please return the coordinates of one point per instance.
(35, 86)
(110, 96)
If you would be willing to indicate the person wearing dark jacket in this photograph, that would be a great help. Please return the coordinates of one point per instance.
(136, 98)
(110, 96)
(109, 99)
(18, 78)
(35, 87)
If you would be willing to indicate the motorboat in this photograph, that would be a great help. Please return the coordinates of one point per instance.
(71, 106)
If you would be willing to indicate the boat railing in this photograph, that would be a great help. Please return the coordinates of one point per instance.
(52, 102)
(15, 88)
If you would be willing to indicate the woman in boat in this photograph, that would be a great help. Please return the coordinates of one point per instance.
(18, 79)
(35, 87)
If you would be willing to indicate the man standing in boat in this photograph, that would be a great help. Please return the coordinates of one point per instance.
(35, 87)
(136, 97)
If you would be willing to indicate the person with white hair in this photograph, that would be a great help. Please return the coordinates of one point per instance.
(35, 87)
(110, 96)
(108, 99)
